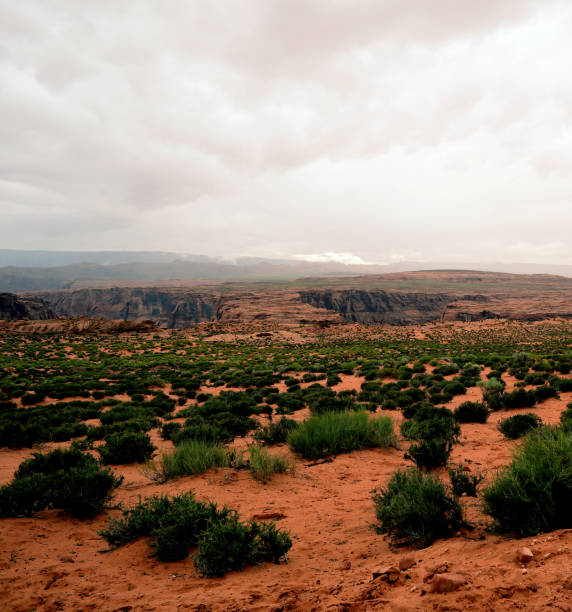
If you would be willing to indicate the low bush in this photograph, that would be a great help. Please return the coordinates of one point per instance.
(340, 432)
(189, 458)
(492, 391)
(65, 479)
(276, 433)
(430, 454)
(533, 493)
(415, 509)
(471, 412)
(232, 545)
(126, 447)
(179, 524)
(566, 416)
(168, 430)
(516, 426)
(462, 482)
(263, 465)
(544, 392)
(434, 431)
(520, 398)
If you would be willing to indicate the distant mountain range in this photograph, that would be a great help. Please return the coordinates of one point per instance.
(29, 271)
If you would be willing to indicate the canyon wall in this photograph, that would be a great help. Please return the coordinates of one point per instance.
(15, 308)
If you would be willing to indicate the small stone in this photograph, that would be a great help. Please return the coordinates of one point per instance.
(406, 562)
(391, 574)
(346, 565)
(524, 555)
(524, 570)
(445, 583)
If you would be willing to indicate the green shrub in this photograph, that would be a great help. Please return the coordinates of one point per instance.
(519, 398)
(434, 431)
(471, 412)
(65, 479)
(53, 462)
(430, 454)
(566, 416)
(461, 482)
(126, 447)
(533, 493)
(231, 545)
(455, 387)
(492, 391)
(535, 378)
(544, 392)
(179, 524)
(415, 509)
(276, 433)
(516, 426)
(189, 458)
(168, 430)
(340, 432)
(263, 465)
(83, 492)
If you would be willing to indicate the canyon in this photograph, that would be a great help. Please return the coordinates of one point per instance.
(397, 299)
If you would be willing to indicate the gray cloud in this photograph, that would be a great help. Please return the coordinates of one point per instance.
(378, 127)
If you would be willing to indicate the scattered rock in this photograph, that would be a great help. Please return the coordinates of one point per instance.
(406, 562)
(524, 555)
(345, 565)
(390, 574)
(439, 569)
(445, 583)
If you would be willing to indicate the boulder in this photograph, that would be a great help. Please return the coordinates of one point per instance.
(445, 583)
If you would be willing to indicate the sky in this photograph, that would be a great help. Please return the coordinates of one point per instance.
(351, 130)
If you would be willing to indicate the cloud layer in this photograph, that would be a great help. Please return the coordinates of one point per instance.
(375, 129)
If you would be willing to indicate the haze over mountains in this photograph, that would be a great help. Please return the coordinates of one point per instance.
(30, 271)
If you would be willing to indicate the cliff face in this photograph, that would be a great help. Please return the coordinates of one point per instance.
(167, 308)
(177, 308)
(378, 306)
(15, 308)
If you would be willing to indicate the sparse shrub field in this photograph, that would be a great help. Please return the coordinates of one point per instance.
(204, 417)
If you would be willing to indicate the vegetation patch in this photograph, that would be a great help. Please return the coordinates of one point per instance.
(415, 509)
(333, 433)
(176, 526)
(188, 459)
(518, 425)
(263, 465)
(126, 447)
(464, 483)
(533, 493)
(471, 412)
(66, 479)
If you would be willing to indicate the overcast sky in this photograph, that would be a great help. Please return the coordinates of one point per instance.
(372, 130)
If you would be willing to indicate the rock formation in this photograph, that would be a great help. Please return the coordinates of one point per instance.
(15, 308)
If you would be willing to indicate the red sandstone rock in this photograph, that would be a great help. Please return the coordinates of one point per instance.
(445, 583)
(524, 555)
(391, 573)
(406, 562)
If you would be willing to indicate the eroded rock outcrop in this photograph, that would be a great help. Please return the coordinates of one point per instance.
(378, 306)
(178, 308)
(171, 308)
(17, 308)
